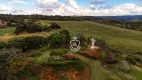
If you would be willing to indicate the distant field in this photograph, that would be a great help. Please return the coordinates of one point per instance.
(128, 41)
(9, 30)
(8, 33)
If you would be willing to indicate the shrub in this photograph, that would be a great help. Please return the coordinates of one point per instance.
(2, 45)
(131, 59)
(59, 39)
(125, 66)
(139, 53)
(28, 43)
(34, 54)
(32, 27)
(112, 77)
(125, 76)
(20, 28)
(61, 52)
(12, 62)
(109, 59)
(134, 58)
(54, 26)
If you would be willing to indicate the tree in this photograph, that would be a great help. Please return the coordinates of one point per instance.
(20, 28)
(67, 35)
(28, 43)
(55, 26)
(2, 45)
(32, 27)
(59, 39)
(12, 62)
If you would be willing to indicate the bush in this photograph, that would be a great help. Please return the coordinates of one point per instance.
(54, 26)
(2, 45)
(59, 39)
(12, 62)
(32, 27)
(32, 54)
(20, 28)
(59, 52)
(125, 76)
(112, 77)
(134, 58)
(125, 66)
(131, 59)
(28, 43)
(139, 53)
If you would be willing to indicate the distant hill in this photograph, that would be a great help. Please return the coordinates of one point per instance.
(123, 18)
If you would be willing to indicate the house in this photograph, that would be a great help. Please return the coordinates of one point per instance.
(3, 23)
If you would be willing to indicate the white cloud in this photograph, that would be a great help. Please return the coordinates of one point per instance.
(53, 7)
(8, 10)
(62, 9)
(73, 3)
(17, 2)
(48, 5)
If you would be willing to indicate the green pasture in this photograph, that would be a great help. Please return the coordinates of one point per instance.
(128, 41)
(9, 30)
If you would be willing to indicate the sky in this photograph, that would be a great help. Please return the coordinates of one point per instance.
(72, 7)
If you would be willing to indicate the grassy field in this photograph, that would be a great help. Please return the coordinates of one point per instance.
(97, 71)
(136, 73)
(9, 30)
(128, 41)
(8, 33)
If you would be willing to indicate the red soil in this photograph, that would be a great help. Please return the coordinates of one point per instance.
(91, 52)
(46, 74)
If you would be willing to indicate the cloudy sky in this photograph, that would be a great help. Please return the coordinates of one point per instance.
(72, 7)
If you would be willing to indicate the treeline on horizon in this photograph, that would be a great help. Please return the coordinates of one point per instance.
(128, 24)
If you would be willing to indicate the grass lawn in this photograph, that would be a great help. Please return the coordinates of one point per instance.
(97, 71)
(9, 30)
(137, 74)
(45, 55)
(128, 41)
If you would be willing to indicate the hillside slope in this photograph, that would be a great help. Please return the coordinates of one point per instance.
(128, 41)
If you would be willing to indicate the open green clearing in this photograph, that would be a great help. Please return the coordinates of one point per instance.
(128, 41)
(137, 73)
(9, 30)
(44, 55)
(97, 71)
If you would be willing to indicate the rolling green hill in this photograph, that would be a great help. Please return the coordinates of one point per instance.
(128, 41)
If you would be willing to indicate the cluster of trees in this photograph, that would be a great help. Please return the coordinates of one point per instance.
(60, 39)
(128, 25)
(45, 17)
(26, 43)
(12, 52)
(54, 41)
(32, 27)
(11, 63)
